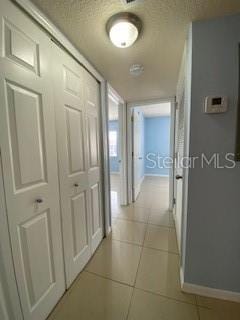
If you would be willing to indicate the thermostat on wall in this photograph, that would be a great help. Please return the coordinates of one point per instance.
(215, 104)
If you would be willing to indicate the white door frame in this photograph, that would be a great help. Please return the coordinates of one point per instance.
(181, 93)
(130, 106)
(123, 140)
(138, 157)
(56, 34)
(178, 184)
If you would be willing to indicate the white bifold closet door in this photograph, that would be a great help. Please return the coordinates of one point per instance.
(29, 161)
(77, 109)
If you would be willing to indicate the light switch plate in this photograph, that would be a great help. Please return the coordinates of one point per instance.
(216, 104)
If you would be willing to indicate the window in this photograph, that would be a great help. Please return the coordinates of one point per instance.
(113, 143)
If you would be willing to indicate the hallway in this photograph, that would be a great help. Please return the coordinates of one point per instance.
(146, 93)
(134, 274)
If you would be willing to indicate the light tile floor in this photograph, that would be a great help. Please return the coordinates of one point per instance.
(134, 274)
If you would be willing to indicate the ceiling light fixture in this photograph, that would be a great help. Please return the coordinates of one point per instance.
(123, 29)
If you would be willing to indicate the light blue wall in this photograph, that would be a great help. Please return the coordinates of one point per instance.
(213, 212)
(114, 164)
(157, 142)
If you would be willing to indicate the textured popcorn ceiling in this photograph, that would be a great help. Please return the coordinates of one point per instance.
(159, 49)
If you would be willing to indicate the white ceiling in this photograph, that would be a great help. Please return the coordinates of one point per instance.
(157, 110)
(159, 48)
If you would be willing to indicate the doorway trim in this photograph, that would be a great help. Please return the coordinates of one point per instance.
(123, 148)
(141, 103)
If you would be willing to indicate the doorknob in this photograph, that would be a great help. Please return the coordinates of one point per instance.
(76, 185)
(39, 200)
(140, 158)
(119, 161)
(178, 177)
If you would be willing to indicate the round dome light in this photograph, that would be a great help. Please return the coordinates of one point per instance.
(123, 29)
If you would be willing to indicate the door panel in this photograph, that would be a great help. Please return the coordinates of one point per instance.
(39, 277)
(68, 77)
(92, 101)
(20, 48)
(29, 157)
(74, 119)
(73, 83)
(79, 219)
(93, 141)
(26, 133)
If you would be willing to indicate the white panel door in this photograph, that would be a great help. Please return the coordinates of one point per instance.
(29, 159)
(92, 106)
(122, 153)
(68, 79)
(137, 153)
(179, 170)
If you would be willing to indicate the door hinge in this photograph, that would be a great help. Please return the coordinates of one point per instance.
(174, 201)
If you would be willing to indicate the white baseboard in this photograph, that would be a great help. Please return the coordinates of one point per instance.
(137, 191)
(142, 179)
(181, 277)
(208, 292)
(108, 231)
(177, 228)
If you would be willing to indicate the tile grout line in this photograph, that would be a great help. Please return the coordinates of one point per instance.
(166, 297)
(140, 257)
(130, 304)
(141, 289)
(143, 222)
(142, 246)
(147, 223)
(134, 284)
(108, 278)
(128, 242)
(174, 227)
(198, 312)
(162, 250)
(128, 220)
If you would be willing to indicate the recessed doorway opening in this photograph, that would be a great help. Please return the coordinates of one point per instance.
(151, 150)
(117, 150)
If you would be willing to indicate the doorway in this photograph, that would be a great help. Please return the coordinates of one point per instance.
(151, 148)
(117, 150)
